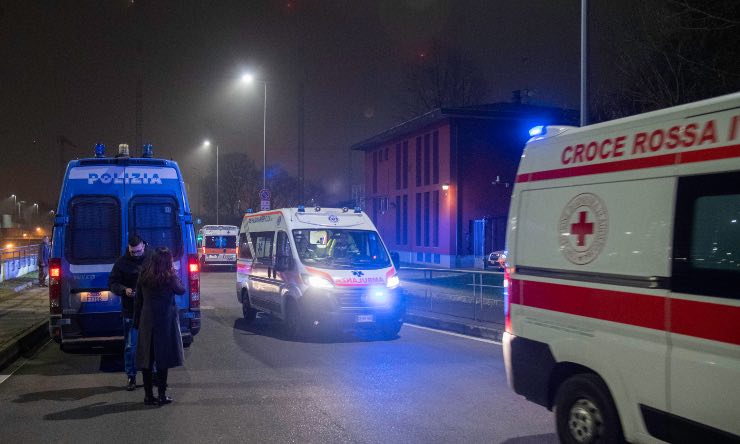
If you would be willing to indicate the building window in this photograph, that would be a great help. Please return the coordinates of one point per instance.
(426, 219)
(405, 165)
(418, 219)
(435, 219)
(398, 166)
(375, 171)
(418, 161)
(426, 159)
(435, 157)
(405, 220)
(398, 220)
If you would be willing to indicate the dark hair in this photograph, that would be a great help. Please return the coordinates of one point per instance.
(134, 240)
(158, 271)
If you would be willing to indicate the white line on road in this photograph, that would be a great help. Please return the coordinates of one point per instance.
(490, 341)
(14, 367)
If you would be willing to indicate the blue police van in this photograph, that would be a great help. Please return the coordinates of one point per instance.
(102, 200)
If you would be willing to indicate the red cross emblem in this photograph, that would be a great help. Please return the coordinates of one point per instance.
(582, 228)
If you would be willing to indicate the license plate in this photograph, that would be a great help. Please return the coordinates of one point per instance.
(94, 296)
(212, 256)
(364, 318)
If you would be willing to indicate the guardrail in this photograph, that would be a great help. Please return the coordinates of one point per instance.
(468, 294)
(17, 261)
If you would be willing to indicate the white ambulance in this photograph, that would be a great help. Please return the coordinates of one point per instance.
(623, 274)
(317, 267)
(217, 246)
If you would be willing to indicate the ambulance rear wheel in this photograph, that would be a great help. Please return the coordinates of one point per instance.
(585, 412)
(248, 312)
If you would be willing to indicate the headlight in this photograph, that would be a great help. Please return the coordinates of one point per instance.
(393, 281)
(317, 281)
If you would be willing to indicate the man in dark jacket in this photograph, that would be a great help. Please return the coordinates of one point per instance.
(42, 260)
(122, 281)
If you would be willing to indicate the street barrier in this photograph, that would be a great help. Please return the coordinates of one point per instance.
(17, 261)
(467, 294)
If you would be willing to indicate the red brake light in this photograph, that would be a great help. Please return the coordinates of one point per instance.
(194, 280)
(55, 286)
(507, 299)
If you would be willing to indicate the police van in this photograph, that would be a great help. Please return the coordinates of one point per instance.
(623, 274)
(217, 246)
(102, 200)
(318, 267)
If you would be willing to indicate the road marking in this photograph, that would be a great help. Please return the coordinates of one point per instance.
(490, 341)
(14, 367)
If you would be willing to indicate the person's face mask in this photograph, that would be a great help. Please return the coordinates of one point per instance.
(136, 251)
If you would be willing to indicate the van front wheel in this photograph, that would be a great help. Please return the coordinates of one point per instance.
(390, 329)
(585, 412)
(248, 312)
(293, 322)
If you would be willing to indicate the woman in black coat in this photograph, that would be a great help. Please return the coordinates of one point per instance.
(156, 317)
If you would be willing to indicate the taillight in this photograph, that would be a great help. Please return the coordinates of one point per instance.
(507, 299)
(55, 286)
(194, 280)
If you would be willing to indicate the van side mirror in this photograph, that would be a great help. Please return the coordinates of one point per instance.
(396, 259)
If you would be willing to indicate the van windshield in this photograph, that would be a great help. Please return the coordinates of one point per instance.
(220, 242)
(341, 249)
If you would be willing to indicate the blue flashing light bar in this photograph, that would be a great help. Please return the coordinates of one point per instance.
(99, 150)
(249, 210)
(301, 209)
(358, 210)
(538, 130)
(147, 150)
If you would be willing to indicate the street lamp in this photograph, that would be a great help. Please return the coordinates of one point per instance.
(15, 201)
(207, 144)
(37, 208)
(249, 78)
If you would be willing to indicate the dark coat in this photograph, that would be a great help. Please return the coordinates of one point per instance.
(44, 254)
(156, 317)
(125, 274)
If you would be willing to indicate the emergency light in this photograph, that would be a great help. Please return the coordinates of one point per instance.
(537, 131)
(99, 150)
(123, 150)
(147, 150)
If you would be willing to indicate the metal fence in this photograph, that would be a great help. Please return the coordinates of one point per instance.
(469, 294)
(16, 261)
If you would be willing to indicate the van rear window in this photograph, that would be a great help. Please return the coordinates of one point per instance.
(154, 218)
(94, 230)
(220, 241)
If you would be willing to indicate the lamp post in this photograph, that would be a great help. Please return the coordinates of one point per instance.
(35, 205)
(249, 78)
(206, 144)
(15, 202)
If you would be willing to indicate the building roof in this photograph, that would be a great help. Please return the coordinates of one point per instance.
(491, 111)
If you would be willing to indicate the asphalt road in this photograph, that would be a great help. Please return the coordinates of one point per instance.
(248, 384)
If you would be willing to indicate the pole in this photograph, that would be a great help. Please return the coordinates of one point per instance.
(584, 57)
(264, 139)
(217, 185)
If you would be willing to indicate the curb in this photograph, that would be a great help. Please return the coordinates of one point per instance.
(23, 342)
(494, 332)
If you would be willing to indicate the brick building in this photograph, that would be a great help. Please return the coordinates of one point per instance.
(438, 186)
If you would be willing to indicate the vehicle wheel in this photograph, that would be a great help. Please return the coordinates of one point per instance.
(293, 323)
(390, 329)
(585, 412)
(248, 312)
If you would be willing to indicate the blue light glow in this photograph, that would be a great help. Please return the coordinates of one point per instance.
(537, 131)
(378, 297)
(99, 150)
(147, 150)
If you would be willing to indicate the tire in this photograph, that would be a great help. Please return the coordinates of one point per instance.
(248, 312)
(390, 329)
(293, 322)
(585, 412)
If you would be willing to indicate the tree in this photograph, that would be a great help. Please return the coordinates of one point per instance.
(441, 78)
(685, 50)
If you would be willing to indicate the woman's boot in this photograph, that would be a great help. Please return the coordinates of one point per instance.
(149, 398)
(162, 387)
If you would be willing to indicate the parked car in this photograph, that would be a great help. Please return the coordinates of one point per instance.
(496, 259)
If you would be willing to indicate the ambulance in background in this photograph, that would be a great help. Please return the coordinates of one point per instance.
(318, 267)
(217, 246)
(104, 199)
(623, 273)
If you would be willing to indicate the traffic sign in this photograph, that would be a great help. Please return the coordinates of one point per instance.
(264, 205)
(264, 194)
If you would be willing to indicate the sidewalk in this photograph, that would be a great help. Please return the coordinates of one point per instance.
(24, 315)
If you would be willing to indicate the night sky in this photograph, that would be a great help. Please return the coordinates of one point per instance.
(69, 69)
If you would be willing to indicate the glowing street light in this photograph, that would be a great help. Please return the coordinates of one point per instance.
(249, 78)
